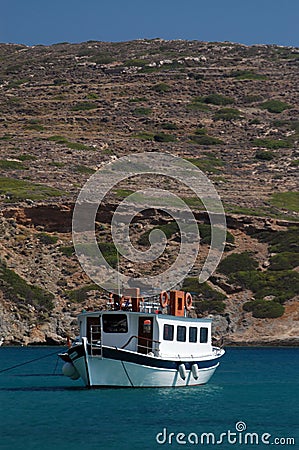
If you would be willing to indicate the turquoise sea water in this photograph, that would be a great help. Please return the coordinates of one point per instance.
(41, 410)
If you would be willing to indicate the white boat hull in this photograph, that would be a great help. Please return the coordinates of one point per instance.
(98, 371)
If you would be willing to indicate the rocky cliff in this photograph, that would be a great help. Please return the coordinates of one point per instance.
(68, 109)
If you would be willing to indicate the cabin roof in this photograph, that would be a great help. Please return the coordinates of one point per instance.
(144, 314)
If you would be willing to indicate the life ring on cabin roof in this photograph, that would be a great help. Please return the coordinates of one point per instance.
(188, 301)
(164, 299)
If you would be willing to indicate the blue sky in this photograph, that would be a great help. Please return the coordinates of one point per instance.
(245, 21)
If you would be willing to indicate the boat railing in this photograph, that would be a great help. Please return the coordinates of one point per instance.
(149, 307)
(95, 340)
(149, 347)
(217, 351)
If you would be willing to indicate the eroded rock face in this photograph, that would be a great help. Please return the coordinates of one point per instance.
(52, 218)
(69, 109)
(41, 263)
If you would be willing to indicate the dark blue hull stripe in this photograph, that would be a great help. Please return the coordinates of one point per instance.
(143, 360)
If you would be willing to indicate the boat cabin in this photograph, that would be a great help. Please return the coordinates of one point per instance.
(160, 329)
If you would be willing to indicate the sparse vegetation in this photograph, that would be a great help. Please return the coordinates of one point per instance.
(145, 136)
(197, 105)
(6, 164)
(19, 291)
(264, 155)
(275, 106)
(262, 309)
(280, 241)
(204, 139)
(218, 99)
(209, 300)
(72, 145)
(84, 169)
(47, 239)
(237, 262)
(281, 284)
(84, 106)
(142, 111)
(26, 157)
(210, 163)
(286, 200)
(80, 295)
(284, 261)
(67, 250)
(168, 229)
(164, 137)
(16, 190)
(169, 126)
(272, 144)
(247, 75)
(227, 114)
(161, 87)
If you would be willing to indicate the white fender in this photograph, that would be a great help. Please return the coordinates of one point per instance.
(195, 371)
(69, 370)
(182, 371)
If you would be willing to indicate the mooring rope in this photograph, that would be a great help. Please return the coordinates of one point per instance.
(27, 362)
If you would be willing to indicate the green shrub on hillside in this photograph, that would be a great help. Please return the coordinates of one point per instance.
(284, 261)
(272, 143)
(286, 200)
(145, 136)
(16, 190)
(236, 262)
(210, 163)
(282, 284)
(218, 99)
(19, 291)
(279, 241)
(262, 309)
(247, 75)
(141, 111)
(264, 155)
(275, 106)
(67, 250)
(80, 295)
(227, 114)
(11, 165)
(47, 239)
(209, 306)
(205, 140)
(169, 126)
(164, 137)
(161, 87)
(84, 106)
(192, 285)
(169, 229)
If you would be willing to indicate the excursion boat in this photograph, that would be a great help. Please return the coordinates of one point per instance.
(134, 343)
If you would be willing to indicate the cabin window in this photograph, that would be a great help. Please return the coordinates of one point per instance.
(168, 332)
(181, 334)
(203, 335)
(115, 323)
(192, 334)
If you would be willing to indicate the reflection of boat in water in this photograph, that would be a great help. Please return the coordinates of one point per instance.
(142, 344)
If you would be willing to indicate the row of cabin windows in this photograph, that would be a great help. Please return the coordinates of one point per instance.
(181, 334)
(119, 324)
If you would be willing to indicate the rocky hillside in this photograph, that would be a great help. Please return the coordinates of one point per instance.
(232, 110)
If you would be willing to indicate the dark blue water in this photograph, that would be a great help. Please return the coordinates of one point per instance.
(41, 410)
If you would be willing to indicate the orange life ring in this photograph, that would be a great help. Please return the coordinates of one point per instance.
(164, 299)
(188, 301)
